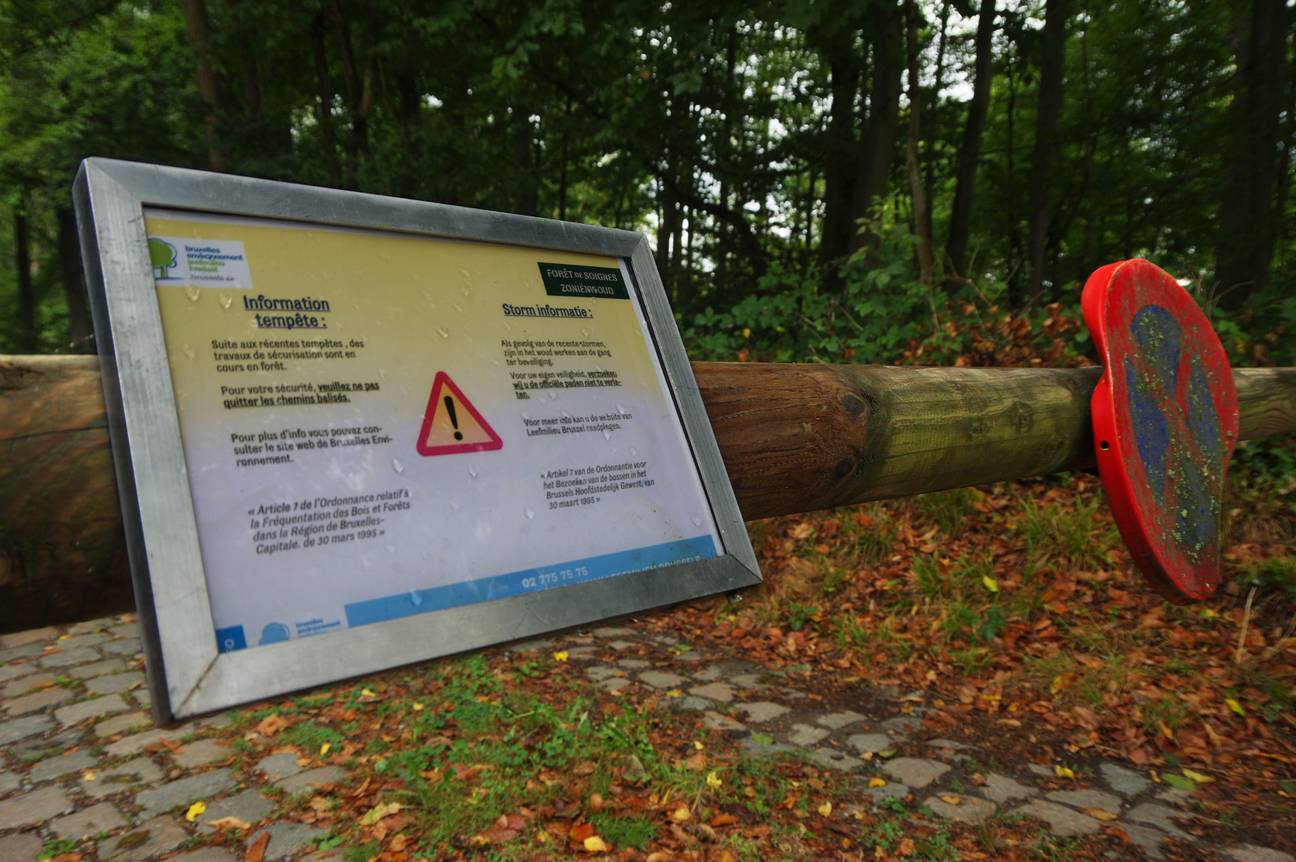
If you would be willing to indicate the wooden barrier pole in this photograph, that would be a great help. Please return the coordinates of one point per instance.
(795, 438)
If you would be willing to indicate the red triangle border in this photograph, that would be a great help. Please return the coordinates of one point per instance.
(442, 380)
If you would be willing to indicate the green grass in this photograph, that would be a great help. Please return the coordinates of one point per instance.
(1168, 710)
(1275, 576)
(1067, 537)
(508, 748)
(868, 538)
(55, 847)
(311, 736)
(948, 510)
(634, 832)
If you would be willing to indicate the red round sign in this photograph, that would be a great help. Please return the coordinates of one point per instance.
(1165, 420)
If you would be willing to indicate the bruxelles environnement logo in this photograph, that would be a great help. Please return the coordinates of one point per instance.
(163, 257)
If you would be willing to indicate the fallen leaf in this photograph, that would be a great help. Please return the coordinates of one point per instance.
(1180, 782)
(1197, 776)
(271, 724)
(255, 851)
(1101, 814)
(723, 820)
(713, 780)
(195, 810)
(229, 823)
(1063, 771)
(378, 812)
(825, 809)
(877, 782)
(1234, 705)
(595, 844)
(324, 749)
(681, 814)
(990, 583)
(560, 655)
(951, 799)
(1061, 682)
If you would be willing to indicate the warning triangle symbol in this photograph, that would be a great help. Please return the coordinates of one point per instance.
(452, 424)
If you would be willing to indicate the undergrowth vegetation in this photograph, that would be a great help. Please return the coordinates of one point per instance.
(1021, 598)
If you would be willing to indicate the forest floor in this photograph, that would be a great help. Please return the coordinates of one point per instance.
(965, 675)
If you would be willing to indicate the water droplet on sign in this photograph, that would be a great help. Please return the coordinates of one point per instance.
(441, 332)
(416, 598)
(189, 351)
(697, 520)
(472, 472)
(529, 512)
(607, 434)
(397, 465)
(192, 292)
(226, 301)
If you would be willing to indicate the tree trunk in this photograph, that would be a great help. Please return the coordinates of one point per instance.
(839, 151)
(666, 232)
(724, 159)
(198, 29)
(526, 199)
(359, 93)
(1247, 215)
(877, 149)
(917, 189)
(28, 337)
(970, 148)
(324, 112)
(938, 85)
(566, 160)
(1052, 68)
(74, 291)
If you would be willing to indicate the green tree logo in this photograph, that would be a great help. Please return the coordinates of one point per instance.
(162, 255)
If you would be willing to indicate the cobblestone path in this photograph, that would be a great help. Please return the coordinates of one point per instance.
(82, 765)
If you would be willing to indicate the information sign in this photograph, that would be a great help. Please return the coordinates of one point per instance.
(353, 432)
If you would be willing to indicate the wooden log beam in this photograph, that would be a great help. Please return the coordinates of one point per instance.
(795, 438)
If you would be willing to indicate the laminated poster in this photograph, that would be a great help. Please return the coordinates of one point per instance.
(379, 425)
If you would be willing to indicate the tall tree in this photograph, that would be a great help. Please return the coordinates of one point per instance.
(27, 333)
(969, 151)
(839, 150)
(917, 186)
(878, 142)
(74, 291)
(210, 86)
(1049, 108)
(1247, 214)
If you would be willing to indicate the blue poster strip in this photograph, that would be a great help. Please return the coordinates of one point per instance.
(529, 580)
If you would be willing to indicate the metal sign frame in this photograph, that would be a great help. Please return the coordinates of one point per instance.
(187, 675)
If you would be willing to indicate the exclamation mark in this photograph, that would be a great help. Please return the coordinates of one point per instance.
(454, 419)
